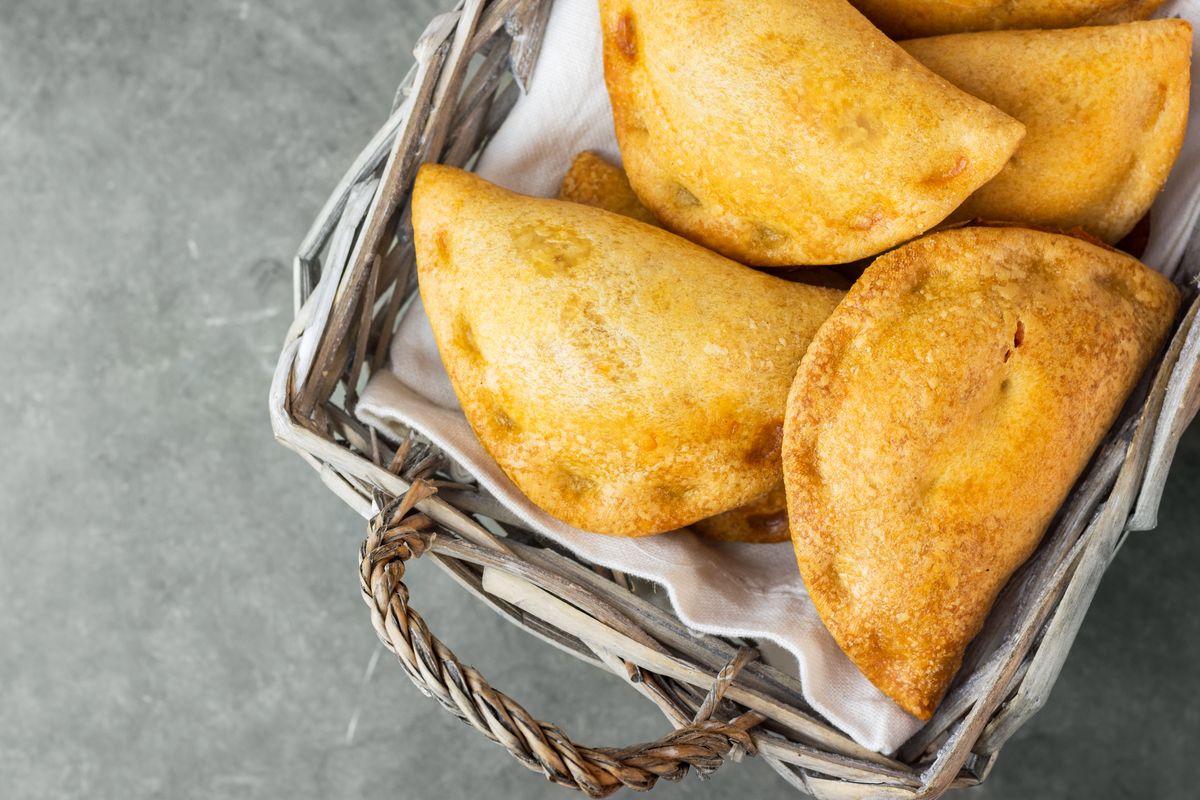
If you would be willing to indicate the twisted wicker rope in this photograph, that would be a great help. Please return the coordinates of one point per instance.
(397, 534)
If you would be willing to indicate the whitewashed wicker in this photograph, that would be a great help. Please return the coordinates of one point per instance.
(355, 272)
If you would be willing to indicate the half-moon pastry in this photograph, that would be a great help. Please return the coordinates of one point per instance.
(936, 424)
(595, 182)
(903, 19)
(1105, 110)
(628, 382)
(789, 134)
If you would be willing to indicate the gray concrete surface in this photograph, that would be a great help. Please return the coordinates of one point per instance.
(178, 604)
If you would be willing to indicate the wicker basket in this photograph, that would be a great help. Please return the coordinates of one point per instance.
(355, 273)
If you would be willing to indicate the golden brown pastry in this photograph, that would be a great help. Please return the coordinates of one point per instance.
(593, 181)
(902, 19)
(938, 421)
(1105, 110)
(627, 381)
(761, 521)
(796, 134)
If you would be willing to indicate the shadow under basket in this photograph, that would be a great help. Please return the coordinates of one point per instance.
(355, 273)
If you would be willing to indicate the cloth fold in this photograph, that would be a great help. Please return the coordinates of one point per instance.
(719, 588)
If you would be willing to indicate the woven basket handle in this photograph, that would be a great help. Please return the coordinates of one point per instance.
(399, 533)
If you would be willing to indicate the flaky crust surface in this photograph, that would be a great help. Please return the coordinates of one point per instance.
(789, 133)
(937, 423)
(627, 381)
(1105, 111)
(903, 19)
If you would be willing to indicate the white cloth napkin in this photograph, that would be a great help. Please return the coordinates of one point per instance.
(727, 589)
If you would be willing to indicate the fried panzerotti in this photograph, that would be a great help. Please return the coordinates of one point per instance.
(1105, 110)
(903, 19)
(936, 424)
(796, 134)
(593, 181)
(627, 381)
(761, 521)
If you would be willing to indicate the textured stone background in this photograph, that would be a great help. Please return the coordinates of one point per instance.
(179, 612)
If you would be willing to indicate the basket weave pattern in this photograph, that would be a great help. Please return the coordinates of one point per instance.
(354, 276)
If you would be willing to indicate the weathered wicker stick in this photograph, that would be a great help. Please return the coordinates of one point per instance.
(522, 28)
(709, 650)
(1180, 404)
(450, 81)
(794, 776)
(360, 344)
(716, 694)
(481, 89)
(340, 485)
(349, 428)
(644, 684)
(471, 580)
(823, 788)
(478, 501)
(319, 305)
(306, 269)
(499, 16)
(721, 683)
(598, 634)
(595, 607)
(1181, 265)
(403, 283)
(526, 26)
(393, 188)
(478, 125)
(817, 733)
(545, 605)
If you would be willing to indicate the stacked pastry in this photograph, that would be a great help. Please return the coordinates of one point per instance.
(679, 342)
